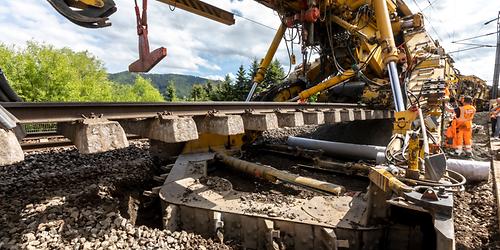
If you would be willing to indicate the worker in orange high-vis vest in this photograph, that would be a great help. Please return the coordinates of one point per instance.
(450, 134)
(463, 137)
(451, 131)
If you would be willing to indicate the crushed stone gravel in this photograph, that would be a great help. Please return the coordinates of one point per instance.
(59, 199)
(475, 210)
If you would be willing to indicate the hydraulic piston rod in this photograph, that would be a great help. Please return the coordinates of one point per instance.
(272, 174)
(389, 50)
(259, 76)
(396, 87)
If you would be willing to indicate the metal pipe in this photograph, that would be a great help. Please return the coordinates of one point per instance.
(259, 76)
(396, 87)
(350, 27)
(272, 174)
(471, 170)
(252, 90)
(348, 150)
(344, 168)
(424, 132)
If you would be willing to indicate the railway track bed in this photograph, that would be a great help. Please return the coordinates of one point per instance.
(109, 199)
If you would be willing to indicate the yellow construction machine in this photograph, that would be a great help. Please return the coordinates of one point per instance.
(475, 87)
(375, 52)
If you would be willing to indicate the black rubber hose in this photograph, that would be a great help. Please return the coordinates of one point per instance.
(7, 90)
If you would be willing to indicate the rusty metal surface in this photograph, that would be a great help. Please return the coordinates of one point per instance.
(67, 112)
(147, 59)
(203, 9)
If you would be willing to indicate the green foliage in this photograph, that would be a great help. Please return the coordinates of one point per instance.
(145, 91)
(242, 84)
(241, 76)
(41, 72)
(198, 93)
(252, 70)
(192, 88)
(170, 93)
(183, 83)
(274, 75)
(313, 98)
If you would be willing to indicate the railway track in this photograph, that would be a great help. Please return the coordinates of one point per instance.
(52, 140)
(228, 200)
(67, 112)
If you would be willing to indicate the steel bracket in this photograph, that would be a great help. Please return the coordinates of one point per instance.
(272, 236)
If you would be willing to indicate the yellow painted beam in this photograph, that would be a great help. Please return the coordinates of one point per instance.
(203, 9)
(326, 84)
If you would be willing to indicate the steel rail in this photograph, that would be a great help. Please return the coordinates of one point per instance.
(60, 142)
(30, 112)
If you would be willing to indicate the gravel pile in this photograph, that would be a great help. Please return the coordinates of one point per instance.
(475, 209)
(280, 135)
(59, 199)
(476, 225)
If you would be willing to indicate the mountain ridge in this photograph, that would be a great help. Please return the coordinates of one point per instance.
(183, 83)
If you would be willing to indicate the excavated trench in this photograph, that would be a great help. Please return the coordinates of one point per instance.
(58, 198)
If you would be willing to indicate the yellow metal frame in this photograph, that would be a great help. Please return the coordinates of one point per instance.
(95, 3)
(387, 182)
(207, 141)
(348, 74)
(259, 76)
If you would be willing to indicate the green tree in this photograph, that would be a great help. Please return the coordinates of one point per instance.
(145, 91)
(40, 72)
(274, 74)
(170, 92)
(252, 70)
(199, 93)
(242, 84)
(227, 89)
(241, 76)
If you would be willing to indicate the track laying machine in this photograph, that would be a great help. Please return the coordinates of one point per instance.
(375, 52)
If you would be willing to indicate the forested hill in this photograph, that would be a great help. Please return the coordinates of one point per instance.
(183, 83)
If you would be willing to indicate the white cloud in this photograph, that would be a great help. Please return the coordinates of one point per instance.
(194, 44)
(200, 46)
(214, 77)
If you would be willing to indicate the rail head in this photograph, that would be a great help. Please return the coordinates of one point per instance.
(31, 112)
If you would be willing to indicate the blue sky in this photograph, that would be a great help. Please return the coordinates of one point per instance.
(202, 47)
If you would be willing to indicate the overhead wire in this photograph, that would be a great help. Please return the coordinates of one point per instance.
(431, 4)
(471, 48)
(476, 44)
(234, 13)
(253, 21)
(474, 37)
